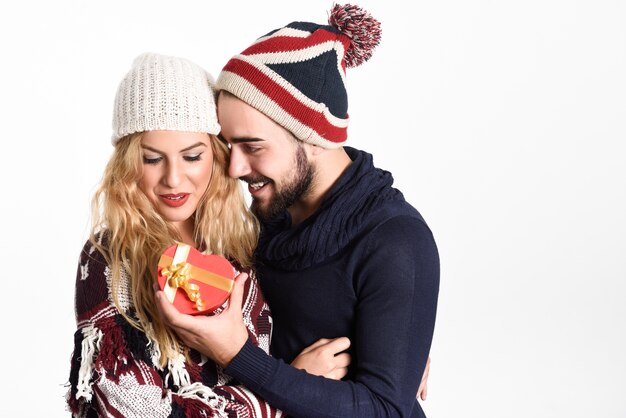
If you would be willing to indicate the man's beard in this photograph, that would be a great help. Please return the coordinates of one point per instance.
(290, 192)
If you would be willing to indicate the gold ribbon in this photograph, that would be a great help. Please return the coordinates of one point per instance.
(178, 276)
(178, 273)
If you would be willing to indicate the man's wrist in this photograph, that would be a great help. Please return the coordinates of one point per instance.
(251, 366)
(230, 352)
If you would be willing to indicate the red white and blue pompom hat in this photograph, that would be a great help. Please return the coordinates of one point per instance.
(295, 75)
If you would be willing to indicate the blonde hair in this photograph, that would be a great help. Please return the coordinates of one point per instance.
(131, 234)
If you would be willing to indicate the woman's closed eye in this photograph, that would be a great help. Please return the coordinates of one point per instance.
(149, 159)
(193, 157)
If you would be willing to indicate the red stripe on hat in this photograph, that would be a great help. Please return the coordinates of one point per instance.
(291, 43)
(309, 117)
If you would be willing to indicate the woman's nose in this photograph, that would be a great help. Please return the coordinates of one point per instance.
(172, 175)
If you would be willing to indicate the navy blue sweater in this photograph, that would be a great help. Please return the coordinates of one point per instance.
(365, 266)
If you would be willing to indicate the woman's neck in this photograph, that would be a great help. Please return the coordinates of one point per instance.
(185, 229)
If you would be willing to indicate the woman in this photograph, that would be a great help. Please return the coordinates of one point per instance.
(166, 181)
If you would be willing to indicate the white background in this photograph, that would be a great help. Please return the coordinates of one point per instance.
(502, 121)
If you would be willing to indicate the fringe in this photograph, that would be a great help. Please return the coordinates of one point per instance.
(200, 392)
(92, 337)
(153, 347)
(114, 354)
(177, 372)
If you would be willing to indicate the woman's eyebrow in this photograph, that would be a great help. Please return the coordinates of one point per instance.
(197, 144)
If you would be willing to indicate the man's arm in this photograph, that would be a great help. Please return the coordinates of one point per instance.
(397, 286)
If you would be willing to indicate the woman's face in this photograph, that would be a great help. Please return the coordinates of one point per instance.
(177, 170)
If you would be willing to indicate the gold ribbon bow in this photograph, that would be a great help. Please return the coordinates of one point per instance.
(178, 275)
(177, 272)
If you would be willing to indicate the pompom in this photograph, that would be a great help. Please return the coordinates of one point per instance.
(362, 29)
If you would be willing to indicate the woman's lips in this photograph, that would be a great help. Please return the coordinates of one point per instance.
(174, 200)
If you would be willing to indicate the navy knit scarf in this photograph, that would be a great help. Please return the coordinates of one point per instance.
(360, 191)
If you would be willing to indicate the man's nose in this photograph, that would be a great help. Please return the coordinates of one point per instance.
(238, 165)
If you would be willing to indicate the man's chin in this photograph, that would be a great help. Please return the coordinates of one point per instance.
(258, 210)
(266, 211)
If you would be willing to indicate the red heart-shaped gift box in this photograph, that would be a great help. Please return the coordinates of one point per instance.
(195, 283)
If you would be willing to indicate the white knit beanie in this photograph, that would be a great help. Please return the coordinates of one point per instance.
(164, 93)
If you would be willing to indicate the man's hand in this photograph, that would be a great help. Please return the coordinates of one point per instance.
(325, 358)
(422, 392)
(219, 337)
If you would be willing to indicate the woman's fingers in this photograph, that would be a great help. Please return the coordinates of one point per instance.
(422, 391)
(318, 343)
(342, 360)
(337, 345)
(337, 374)
(325, 357)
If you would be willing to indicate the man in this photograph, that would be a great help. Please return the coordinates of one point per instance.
(341, 252)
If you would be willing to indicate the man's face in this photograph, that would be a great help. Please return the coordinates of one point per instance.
(266, 156)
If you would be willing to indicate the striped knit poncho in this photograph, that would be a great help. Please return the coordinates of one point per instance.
(114, 367)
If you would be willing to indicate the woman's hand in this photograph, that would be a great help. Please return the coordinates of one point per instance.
(422, 392)
(325, 358)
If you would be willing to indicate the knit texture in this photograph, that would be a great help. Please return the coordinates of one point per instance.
(164, 93)
(364, 266)
(342, 216)
(295, 75)
(114, 367)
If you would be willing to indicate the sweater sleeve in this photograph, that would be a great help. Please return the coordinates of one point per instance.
(397, 286)
(114, 368)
